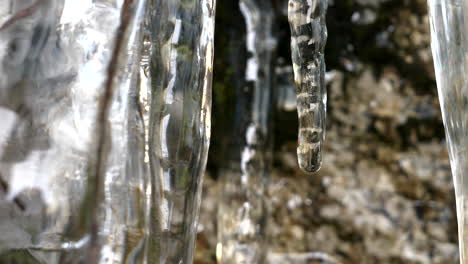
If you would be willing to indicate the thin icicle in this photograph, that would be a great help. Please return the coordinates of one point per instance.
(308, 39)
(242, 210)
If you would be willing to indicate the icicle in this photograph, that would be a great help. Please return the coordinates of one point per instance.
(66, 74)
(181, 33)
(242, 210)
(449, 33)
(308, 38)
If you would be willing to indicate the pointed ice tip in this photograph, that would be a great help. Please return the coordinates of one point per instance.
(309, 158)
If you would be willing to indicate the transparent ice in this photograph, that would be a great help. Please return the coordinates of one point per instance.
(179, 88)
(242, 212)
(66, 70)
(94, 167)
(308, 39)
(449, 30)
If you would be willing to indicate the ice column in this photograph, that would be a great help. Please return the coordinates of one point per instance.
(308, 39)
(71, 190)
(242, 211)
(449, 30)
(180, 35)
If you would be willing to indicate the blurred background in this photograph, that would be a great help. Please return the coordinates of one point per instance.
(384, 194)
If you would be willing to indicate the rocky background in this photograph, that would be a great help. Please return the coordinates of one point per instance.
(384, 194)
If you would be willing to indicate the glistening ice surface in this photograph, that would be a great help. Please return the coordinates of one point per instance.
(66, 72)
(449, 29)
(84, 170)
(308, 39)
(177, 73)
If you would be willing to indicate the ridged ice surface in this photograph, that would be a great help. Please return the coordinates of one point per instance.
(308, 39)
(180, 73)
(242, 211)
(104, 129)
(65, 74)
(449, 30)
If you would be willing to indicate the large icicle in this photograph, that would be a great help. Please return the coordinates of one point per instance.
(242, 211)
(308, 39)
(66, 75)
(181, 33)
(449, 33)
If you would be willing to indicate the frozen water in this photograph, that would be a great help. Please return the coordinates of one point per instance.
(177, 73)
(449, 30)
(64, 91)
(90, 158)
(242, 211)
(308, 38)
